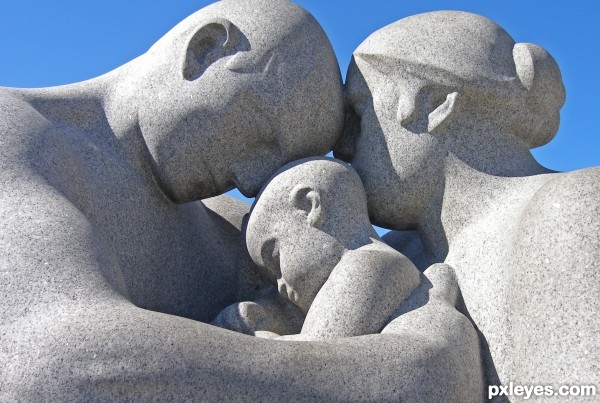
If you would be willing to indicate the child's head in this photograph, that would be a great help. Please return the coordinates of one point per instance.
(306, 217)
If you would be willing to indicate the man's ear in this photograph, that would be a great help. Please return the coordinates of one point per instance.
(440, 117)
(215, 39)
(307, 201)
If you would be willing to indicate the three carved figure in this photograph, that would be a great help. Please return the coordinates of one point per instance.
(117, 252)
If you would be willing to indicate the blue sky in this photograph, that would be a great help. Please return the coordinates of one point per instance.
(44, 43)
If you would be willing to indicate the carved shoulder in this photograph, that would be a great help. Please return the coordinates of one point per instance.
(560, 226)
(568, 203)
(361, 293)
(555, 279)
(19, 122)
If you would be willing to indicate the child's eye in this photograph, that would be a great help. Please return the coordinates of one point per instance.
(270, 257)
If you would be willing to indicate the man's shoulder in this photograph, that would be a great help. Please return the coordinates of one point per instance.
(19, 121)
(11, 102)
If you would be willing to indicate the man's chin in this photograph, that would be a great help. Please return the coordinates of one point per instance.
(392, 216)
(248, 190)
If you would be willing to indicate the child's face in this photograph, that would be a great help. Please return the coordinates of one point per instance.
(300, 256)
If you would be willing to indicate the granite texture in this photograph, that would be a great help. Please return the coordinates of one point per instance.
(106, 273)
(111, 267)
(309, 229)
(442, 109)
(333, 279)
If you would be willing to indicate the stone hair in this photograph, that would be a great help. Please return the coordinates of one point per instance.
(545, 93)
(520, 77)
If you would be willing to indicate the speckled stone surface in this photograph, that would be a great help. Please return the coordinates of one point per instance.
(108, 264)
(111, 267)
(442, 110)
(310, 232)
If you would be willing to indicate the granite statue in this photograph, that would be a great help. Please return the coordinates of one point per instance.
(111, 267)
(442, 110)
(117, 247)
(108, 266)
(309, 229)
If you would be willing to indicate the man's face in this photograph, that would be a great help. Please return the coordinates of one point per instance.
(233, 93)
(213, 133)
(395, 157)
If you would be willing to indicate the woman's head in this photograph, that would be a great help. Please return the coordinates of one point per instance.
(429, 84)
(472, 54)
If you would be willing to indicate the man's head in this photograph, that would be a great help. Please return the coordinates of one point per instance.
(235, 91)
(416, 86)
(303, 221)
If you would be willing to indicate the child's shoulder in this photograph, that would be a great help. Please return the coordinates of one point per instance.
(376, 250)
(376, 256)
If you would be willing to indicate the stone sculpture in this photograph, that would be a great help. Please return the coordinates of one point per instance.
(106, 164)
(443, 108)
(107, 273)
(111, 267)
(310, 230)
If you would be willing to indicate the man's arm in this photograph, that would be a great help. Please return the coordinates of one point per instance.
(113, 350)
(71, 337)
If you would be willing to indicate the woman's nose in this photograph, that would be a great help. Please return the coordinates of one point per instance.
(344, 148)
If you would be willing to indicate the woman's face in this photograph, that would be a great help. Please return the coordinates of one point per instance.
(386, 141)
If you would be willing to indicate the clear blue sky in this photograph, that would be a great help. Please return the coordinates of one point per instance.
(45, 43)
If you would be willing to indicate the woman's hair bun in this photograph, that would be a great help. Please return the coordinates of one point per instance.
(545, 93)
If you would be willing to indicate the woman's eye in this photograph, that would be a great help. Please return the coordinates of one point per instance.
(357, 108)
(344, 149)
